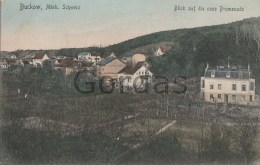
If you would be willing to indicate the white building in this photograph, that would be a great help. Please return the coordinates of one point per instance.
(228, 85)
(137, 75)
(162, 50)
(3, 64)
(38, 59)
(89, 57)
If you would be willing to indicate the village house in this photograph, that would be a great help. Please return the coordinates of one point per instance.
(10, 62)
(162, 50)
(10, 56)
(67, 65)
(137, 74)
(38, 59)
(110, 66)
(7, 62)
(89, 57)
(228, 85)
(107, 54)
(3, 64)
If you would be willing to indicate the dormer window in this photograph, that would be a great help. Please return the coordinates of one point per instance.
(228, 75)
(213, 73)
(240, 74)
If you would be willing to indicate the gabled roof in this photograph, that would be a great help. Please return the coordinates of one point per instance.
(59, 60)
(106, 60)
(131, 70)
(164, 48)
(39, 56)
(2, 62)
(10, 61)
(26, 62)
(105, 54)
(66, 62)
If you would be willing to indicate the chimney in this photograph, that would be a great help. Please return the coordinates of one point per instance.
(133, 62)
(228, 63)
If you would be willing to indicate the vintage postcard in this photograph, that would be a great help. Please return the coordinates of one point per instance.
(130, 82)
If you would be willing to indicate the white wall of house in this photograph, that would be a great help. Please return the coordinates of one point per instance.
(85, 57)
(89, 58)
(220, 90)
(129, 80)
(40, 61)
(158, 52)
(95, 59)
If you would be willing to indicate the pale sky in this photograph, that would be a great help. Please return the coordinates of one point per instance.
(105, 22)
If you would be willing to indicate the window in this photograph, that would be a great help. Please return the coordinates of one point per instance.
(234, 87)
(233, 97)
(211, 96)
(211, 86)
(219, 86)
(243, 88)
(213, 73)
(251, 98)
(243, 97)
(203, 95)
(203, 84)
(129, 80)
(228, 75)
(219, 96)
(252, 86)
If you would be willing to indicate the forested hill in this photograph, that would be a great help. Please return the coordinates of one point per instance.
(192, 48)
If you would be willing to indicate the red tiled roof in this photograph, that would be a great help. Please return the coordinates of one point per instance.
(26, 62)
(38, 56)
(10, 61)
(68, 62)
(131, 70)
(165, 48)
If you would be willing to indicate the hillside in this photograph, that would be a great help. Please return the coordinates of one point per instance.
(191, 50)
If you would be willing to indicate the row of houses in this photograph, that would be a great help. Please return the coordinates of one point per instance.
(100, 64)
(221, 84)
(37, 60)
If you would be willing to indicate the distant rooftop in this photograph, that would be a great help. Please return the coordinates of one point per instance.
(106, 60)
(232, 72)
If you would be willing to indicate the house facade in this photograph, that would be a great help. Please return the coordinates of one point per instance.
(228, 85)
(67, 65)
(162, 50)
(89, 57)
(38, 59)
(3, 64)
(137, 75)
